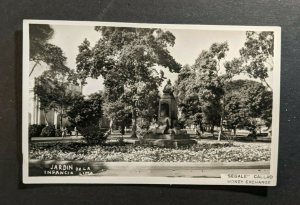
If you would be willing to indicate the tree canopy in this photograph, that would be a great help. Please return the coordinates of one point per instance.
(39, 35)
(257, 55)
(207, 96)
(127, 59)
(86, 111)
(55, 91)
(42, 51)
(246, 101)
(210, 82)
(199, 88)
(186, 92)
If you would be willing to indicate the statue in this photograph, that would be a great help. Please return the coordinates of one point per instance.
(164, 132)
(168, 89)
(167, 114)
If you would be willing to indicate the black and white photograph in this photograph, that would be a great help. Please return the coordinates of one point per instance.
(137, 103)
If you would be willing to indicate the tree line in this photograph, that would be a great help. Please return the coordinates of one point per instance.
(208, 97)
(126, 58)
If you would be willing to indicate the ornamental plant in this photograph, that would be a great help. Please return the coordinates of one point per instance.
(48, 131)
(35, 130)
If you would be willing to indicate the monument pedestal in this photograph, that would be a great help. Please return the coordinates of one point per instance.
(167, 140)
(174, 138)
(165, 133)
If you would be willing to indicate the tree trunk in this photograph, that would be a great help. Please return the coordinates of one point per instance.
(221, 130)
(264, 80)
(212, 130)
(134, 126)
(234, 131)
(32, 69)
(222, 118)
(122, 131)
(61, 120)
(61, 116)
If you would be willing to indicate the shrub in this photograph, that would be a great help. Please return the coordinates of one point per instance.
(58, 133)
(35, 130)
(69, 129)
(92, 134)
(48, 131)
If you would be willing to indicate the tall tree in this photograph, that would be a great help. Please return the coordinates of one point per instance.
(200, 89)
(126, 58)
(42, 51)
(84, 61)
(186, 92)
(211, 82)
(257, 55)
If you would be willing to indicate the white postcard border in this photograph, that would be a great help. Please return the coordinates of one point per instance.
(148, 180)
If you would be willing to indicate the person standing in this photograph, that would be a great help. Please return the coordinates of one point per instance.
(64, 132)
(76, 131)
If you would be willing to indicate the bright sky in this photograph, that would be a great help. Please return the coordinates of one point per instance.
(188, 45)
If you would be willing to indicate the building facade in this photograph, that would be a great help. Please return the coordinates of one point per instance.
(35, 114)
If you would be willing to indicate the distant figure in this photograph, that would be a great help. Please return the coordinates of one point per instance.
(198, 131)
(76, 131)
(122, 130)
(64, 131)
(111, 125)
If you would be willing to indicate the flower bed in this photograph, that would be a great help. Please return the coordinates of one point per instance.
(205, 152)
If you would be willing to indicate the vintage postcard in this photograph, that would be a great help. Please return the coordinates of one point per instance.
(131, 103)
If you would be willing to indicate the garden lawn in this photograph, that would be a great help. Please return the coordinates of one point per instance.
(204, 152)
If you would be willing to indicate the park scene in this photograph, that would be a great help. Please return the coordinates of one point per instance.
(101, 94)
